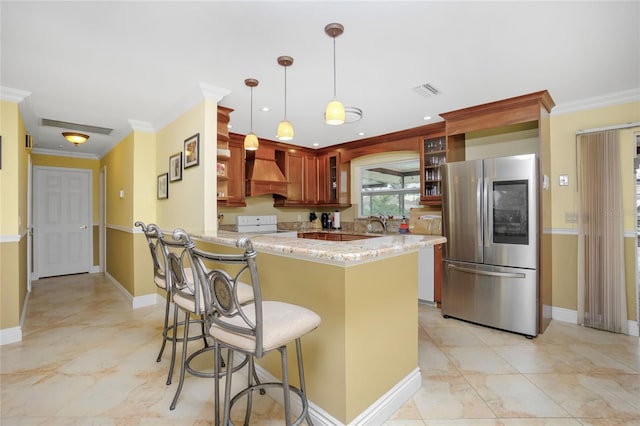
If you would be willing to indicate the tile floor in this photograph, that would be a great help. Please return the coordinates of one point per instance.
(87, 358)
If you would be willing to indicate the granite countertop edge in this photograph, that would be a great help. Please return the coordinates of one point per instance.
(343, 253)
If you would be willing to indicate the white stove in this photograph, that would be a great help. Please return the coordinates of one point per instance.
(263, 224)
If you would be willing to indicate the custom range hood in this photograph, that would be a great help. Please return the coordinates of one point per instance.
(264, 176)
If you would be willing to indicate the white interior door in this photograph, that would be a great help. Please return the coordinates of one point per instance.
(62, 221)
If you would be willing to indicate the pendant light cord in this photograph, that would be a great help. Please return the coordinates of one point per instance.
(251, 115)
(334, 67)
(285, 92)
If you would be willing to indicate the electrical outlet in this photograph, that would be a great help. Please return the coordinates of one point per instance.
(570, 217)
(564, 180)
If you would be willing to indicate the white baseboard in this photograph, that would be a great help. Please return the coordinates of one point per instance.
(564, 315)
(14, 334)
(138, 301)
(377, 413)
(571, 316)
(146, 300)
(10, 335)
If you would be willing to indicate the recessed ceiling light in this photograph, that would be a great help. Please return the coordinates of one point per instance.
(316, 144)
(427, 117)
(360, 133)
(265, 109)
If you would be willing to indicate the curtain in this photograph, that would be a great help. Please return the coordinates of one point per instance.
(601, 276)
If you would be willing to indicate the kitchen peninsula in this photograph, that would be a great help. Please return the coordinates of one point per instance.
(361, 364)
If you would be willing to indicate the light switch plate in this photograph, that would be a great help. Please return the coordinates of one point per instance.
(564, 180)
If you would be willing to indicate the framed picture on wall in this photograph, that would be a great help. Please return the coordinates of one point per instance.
(175, 167)
(163, 186)
(192, 151)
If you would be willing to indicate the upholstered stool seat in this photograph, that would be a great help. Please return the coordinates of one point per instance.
(282, 322)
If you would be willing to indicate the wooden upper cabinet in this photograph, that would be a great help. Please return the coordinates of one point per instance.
(223, 154)
(333, 180)
(235, 173)
(301, 170)
(520, 109)
(295, 176)
(311, 179)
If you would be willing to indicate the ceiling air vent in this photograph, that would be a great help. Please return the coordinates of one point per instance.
(426, 90)
(75, 126)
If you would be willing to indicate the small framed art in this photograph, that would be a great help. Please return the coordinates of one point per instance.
(175, 167)
(192, 151)
(163, 186)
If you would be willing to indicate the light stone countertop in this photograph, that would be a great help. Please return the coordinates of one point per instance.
(341, 253)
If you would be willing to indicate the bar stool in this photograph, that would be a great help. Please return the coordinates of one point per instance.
(188, 296)
(253, 329)
(154, 235)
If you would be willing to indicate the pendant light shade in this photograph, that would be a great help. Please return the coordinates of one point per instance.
(251, 140)
(285, 129)
(334, 114)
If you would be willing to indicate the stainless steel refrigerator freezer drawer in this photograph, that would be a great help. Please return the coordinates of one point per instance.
(500, 297)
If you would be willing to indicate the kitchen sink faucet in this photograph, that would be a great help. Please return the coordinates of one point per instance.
(382, 219)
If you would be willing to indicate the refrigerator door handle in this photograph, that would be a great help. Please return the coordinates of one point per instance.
(487, 213)
(487, 273)
(479, 211)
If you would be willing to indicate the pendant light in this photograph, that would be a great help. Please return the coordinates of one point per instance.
(285, 129)
(334, 114)
(251, 140)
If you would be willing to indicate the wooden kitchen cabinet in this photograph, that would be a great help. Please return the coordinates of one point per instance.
(223, 155)
(301, 171)
(333, 180)
(433, 153)
(235, 173)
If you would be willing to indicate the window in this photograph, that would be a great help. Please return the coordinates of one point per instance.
(390, 189)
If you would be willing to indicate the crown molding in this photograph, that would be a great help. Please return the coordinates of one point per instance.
(617, 98)
(13, 95)
(213, 93)
(141, 126)
(57, 153)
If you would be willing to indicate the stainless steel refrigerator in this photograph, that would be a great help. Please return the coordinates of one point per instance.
(490, 262)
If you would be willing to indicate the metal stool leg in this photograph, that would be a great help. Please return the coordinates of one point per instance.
(183, 363)
(285, 384)
(227, 389)
(164, 330)
(303, 388)
(174, 340)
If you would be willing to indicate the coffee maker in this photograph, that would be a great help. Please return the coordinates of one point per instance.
(325, 219)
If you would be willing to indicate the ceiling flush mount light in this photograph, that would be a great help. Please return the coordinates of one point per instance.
(251, 140)
(75, 137)
(334, 114)
(352, 114)
(285, 129)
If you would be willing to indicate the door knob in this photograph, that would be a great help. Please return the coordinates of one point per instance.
(83, 227)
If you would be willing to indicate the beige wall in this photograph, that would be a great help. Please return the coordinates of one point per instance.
(564, 198)
(13, 216)
(191, 203)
